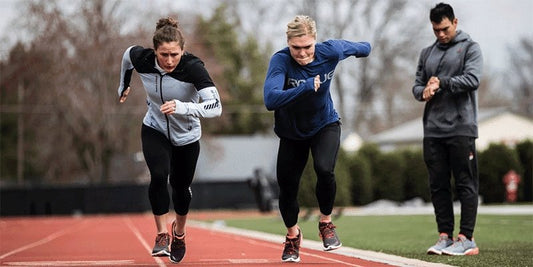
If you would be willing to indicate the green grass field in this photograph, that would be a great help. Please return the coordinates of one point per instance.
(503, 240)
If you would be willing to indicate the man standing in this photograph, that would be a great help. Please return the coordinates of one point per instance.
(447, 79)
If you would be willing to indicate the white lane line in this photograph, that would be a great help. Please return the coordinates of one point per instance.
(273, 246)
(136, 232)
(70, 263)
(251, 241)
(44, 240)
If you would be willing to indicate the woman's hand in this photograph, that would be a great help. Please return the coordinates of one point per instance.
(317, 82)
(125, 94)
(168, 107)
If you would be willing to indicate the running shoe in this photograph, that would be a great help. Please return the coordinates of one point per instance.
(462, 246)
(177, 247)
(443, 242)
(328, 235)
(161, 245)
(291, 251)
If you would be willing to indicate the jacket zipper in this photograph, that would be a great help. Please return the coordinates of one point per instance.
(163, 102)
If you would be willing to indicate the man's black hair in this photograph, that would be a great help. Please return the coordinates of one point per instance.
(441, 11)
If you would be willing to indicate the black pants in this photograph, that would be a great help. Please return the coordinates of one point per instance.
(167, 162)
(457, 156)
(292, 158)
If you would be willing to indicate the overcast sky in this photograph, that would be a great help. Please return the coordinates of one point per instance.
(495, 24)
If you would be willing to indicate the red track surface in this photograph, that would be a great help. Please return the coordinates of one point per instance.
(127, 239)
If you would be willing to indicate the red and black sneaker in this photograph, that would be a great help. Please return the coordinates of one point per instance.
(161, 245)
(177, 247)
(291, 251)
(328, 235)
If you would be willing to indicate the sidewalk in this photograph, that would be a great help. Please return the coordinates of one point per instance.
(417, 207)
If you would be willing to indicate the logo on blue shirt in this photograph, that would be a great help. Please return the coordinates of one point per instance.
(292, 82)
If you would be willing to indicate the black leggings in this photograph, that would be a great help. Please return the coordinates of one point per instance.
(167, 162)
(292, 158)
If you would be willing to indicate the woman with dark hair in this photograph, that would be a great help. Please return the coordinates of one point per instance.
(179, 92)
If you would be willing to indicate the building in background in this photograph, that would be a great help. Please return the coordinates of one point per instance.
(494, 126)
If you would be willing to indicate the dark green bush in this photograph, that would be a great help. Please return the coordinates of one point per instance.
(370, 175)
(389, 176)
(344, 180)
(306, 194)
(361, 185)
(493, 164)
(416, 176)
(525, 154)
(370, 153)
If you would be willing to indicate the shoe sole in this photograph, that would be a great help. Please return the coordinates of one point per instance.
(291, 260)
(329, 248)
(433, 251)
(173, 261)
(468, 252)
(161, 253)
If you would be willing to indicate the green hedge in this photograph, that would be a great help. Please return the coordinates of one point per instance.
(416, 180)
(525, 154)
(493, 164)
(370, 174)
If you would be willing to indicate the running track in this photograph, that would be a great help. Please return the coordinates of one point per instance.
(127, 239)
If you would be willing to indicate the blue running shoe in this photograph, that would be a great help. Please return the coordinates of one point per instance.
(443, 242)
(462, 246)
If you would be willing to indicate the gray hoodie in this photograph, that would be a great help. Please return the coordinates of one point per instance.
(453, 109)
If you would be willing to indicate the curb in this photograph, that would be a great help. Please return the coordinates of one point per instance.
(368, 255)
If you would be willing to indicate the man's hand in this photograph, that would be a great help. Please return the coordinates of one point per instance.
(431, 88)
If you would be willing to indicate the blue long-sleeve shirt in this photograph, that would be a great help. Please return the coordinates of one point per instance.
(299, 111)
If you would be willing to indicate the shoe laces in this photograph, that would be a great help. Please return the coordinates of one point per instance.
(460, 241)
(327, 231)
(178, 243)
(442, 239)
(291, 245)
(162, 239)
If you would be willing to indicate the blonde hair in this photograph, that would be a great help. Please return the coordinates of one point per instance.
(301, 25)
(167, 30)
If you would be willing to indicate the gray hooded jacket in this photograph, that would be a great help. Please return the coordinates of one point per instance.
(453, 109)
(188, 85)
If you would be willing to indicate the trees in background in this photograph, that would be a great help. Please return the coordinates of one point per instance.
(60, 106)
(520, 77)
(238, 67)
(68, 73)
(61, 121)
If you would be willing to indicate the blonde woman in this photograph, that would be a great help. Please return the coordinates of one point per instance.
(297, 88)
